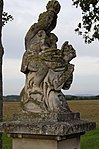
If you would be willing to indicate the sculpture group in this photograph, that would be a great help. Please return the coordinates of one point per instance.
(47, 68)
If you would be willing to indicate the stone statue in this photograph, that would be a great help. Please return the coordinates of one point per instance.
(46, 67)
(45, 116)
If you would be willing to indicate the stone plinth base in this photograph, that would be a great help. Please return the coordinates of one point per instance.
(46, 143)
(46, 130)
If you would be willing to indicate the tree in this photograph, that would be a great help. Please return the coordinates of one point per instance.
(4, 18)
(1, 57)
(89, 27)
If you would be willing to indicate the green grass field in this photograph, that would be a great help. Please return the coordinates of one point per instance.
(89, 110)
(90, 140)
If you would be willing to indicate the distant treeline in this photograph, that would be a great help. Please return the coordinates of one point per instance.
(73, 97)
(11, 98)
(16, 98)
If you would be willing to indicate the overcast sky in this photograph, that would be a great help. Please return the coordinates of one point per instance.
(25, 13)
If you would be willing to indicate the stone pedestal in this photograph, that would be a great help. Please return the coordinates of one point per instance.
(46, 130)
(46, 142)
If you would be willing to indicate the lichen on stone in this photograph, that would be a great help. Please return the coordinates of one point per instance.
(47, 68)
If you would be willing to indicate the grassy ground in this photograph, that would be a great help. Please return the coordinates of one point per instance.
(90, 140)
(9, 109)
(89, 110)
(7, 142)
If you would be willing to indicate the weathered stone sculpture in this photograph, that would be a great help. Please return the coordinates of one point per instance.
(46, 120)
(47, 68)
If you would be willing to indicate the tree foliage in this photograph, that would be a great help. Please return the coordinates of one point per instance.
(6, 17)
(89, 26)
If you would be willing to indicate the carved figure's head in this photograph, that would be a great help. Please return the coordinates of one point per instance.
(53, 40)
(68, 52)
(53, 5)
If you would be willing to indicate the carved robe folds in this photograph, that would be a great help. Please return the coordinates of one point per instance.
(47, 68)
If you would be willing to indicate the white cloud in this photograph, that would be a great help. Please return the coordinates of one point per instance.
(13, 79)
(85, 76)
(11, 69)
(86, 66)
